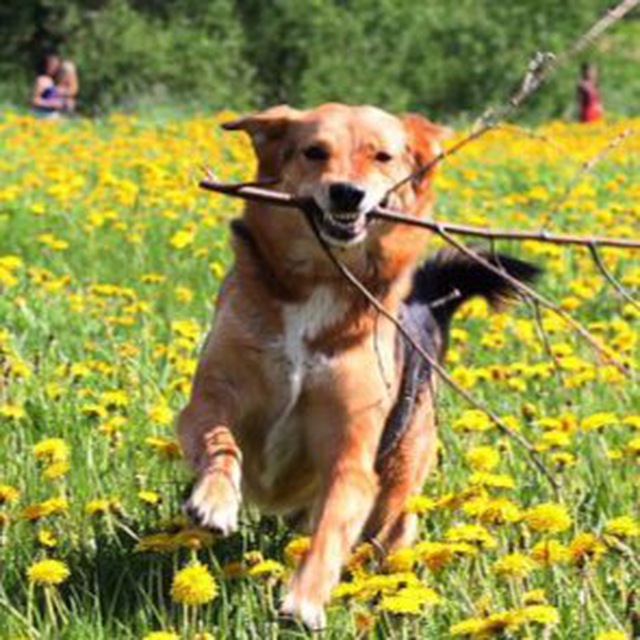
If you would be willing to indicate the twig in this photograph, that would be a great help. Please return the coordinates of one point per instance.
(611, 279)
(541, 66)
(429, 359)
(278, 198)
(531, 293)
(585, 168)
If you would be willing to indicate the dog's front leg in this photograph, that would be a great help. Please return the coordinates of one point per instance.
(344, 509)
(204, 430)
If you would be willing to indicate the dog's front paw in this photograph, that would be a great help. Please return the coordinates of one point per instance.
(305, 610)
(215, 503)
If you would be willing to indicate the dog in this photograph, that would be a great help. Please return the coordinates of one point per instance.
(306, 401)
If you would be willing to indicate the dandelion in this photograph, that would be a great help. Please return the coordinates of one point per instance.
(193, 585)
(51, 450)
(549, 553)
(586, 546)
(50, 507)
(47, 538)
(472, 534)
(598, 421)
(514, 565)
(161, 635)
(548, 518)
(48, 572)
(482, 458)
(166, 448)
(266, 569)
(409, 600)
(8, 494)
(472, 420)
(622, 527)
(420, 504)
(296, 549)
(614, 634)
(151, 498)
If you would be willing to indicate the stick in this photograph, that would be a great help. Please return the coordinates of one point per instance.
(257, 193)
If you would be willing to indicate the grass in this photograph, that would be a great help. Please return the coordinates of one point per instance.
(110, 260)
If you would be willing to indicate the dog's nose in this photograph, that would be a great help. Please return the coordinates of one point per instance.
(345, 196)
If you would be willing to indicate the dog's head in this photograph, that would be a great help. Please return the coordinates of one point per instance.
(345, 158)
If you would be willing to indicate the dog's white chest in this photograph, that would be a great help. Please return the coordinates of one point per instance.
(302, 323)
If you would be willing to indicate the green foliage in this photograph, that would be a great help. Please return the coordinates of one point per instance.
(437, 57)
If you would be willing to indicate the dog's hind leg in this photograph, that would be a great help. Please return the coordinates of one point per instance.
(209, 446)
(402, 475)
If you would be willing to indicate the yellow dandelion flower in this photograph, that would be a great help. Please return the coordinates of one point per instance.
(409, 601)
(51, 450)
(56, 470)
(150, 497)
(598, 421)
(165, 447)
(437, 555)
(161, 635)
(543, 614)
(102, 506)
(534, 596)
(8, 494)
(471, 534)
(267, 569)
(47, 538)
(482, 458)
(550, 552)
(50, 507)
(492, 510)
(548, 518)
(495, 480)
(296, 549)
(48, 572)
(472, 420)
(613, 634)
(586, 546)
(400, 560)
(514, 565)
(623, 527)
(420, 504)
(194, 585)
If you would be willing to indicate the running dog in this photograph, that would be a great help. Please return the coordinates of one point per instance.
(306, 401)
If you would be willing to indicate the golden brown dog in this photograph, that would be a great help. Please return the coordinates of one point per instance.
(305, 401)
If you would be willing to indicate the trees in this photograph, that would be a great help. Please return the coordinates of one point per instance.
(439, 57)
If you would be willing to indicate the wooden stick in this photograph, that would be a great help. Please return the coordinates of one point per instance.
(257, 193)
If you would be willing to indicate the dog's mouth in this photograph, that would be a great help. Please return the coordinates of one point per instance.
(345, 228)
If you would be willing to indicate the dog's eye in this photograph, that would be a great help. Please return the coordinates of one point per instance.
(383, 156)
(316, 153)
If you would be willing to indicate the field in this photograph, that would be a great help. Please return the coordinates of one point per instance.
(110, 259)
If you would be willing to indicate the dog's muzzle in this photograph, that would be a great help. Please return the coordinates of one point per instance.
(342, 213)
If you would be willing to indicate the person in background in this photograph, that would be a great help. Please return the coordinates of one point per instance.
(56, 87)
(589, 102)
(66, 81)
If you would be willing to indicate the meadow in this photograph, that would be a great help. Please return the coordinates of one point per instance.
(110, 260)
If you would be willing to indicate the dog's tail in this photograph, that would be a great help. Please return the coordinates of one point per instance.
(450, 278)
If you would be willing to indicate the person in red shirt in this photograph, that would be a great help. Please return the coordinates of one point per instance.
(589, 102)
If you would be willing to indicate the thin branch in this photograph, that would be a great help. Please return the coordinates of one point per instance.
(278, 198)
(611, 279)
(430, 359)
(533, 294)
(584, 169)
(541, 66)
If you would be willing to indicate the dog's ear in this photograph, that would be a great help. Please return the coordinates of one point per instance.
(268, 130)
(424, 139)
